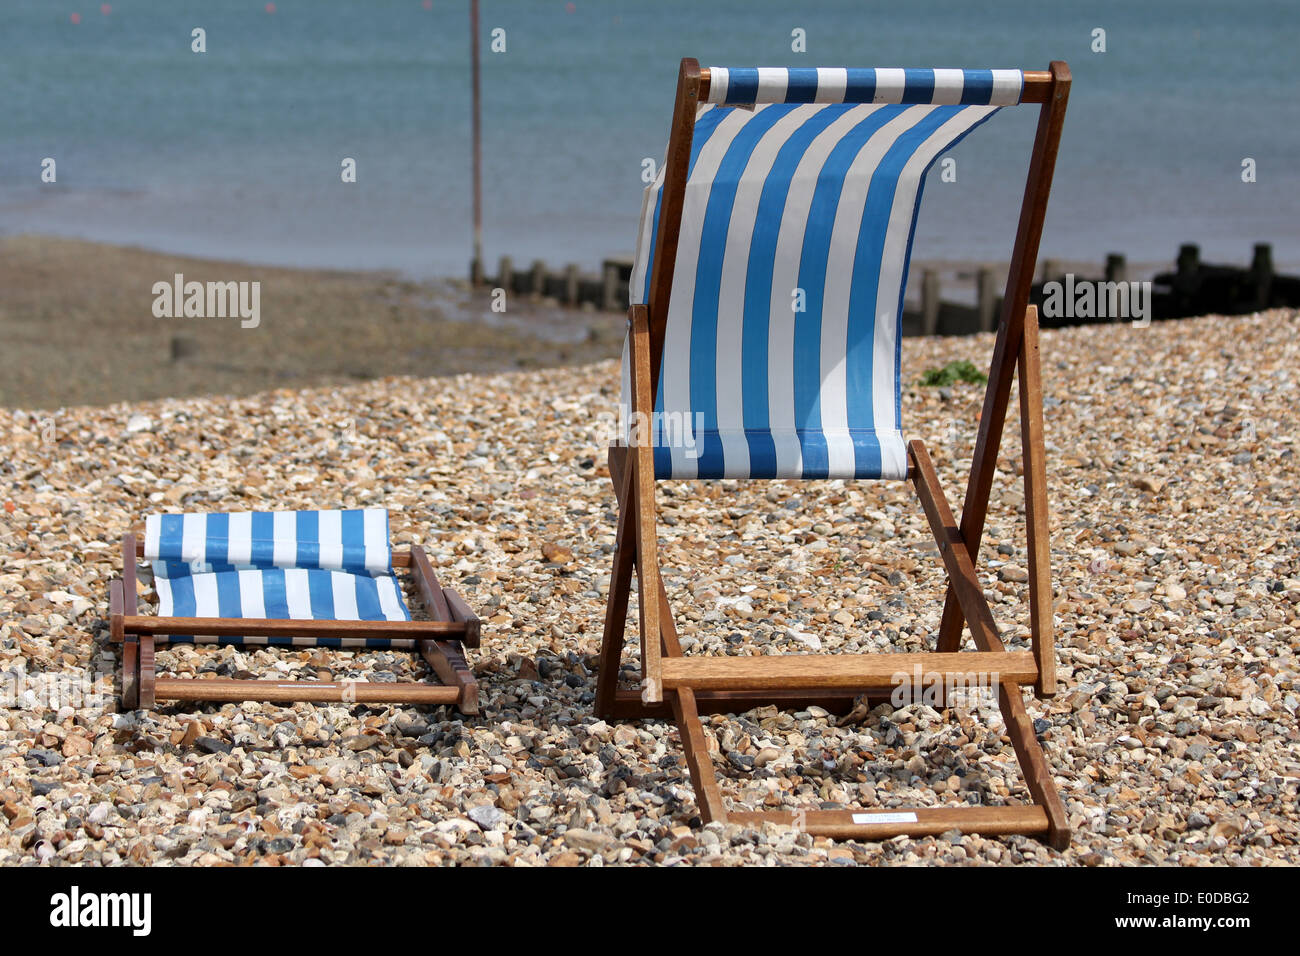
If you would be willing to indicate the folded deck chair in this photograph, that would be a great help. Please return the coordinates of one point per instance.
(767, 296)
(289, 579)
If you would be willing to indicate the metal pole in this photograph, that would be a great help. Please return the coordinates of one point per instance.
(476, 266)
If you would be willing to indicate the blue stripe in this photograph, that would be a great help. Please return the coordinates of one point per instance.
(229, 603)
(262, 529)
(320, 588)
(907, 258)
(216, 545)
(368, 608)
(704, 129)
(183, 603)
(812, 279)
(801, 85)
(756, 409)
(353, 531)
(918, 86)
(273, 594)
(742, 85)
(860, 86)
(708, 282)
(307, 533)
(978, 88)
(860, 347)
(169, 537)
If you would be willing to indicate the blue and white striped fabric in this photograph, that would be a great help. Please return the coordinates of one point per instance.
(781, 350)
(829, 85)
(299, 565)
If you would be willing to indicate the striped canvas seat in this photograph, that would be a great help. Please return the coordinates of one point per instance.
(781, 347)
(300, 565)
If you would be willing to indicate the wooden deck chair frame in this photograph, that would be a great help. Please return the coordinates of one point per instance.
(684, 687)
(440, 641)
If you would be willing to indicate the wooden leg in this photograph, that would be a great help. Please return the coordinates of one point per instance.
(1039, 545)
(611, 645)
(1020, 730)
(643, 509)
(447, 660)
(147, 674)
(698, 760)
(131, 673)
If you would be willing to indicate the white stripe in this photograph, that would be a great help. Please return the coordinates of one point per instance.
(297, 595)
(644, 239)
(948, 86)
(152, 536)
(839, 287)
(330, 530)
(389, 600)
(890, 83)
(241, 538)
(676, 380)
(718, 80)
(772, 84)
(1007, 85)
(164, 587)
(194, 537)
(345, 596)
(252, 602)
(376, 537)
(284, 533)
(785, 277)
(731, 296)
(831, 84)
(893, 259)
(205, 595)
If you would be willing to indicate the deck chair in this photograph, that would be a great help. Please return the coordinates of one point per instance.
(788, 187)
(289, 579)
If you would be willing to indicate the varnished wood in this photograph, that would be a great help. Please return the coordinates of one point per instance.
(131, 673)
(147, 674)
(347, 692)
(930, 821)
(611, 646)
(952, 550)
(428, 585)
(872, 671)
(1006, 349)
(462, 615)
(1039, 546)
(676, 169)
(627, 704)
(1020, 730)
(643, 508)
(698, 761)
(446, 659)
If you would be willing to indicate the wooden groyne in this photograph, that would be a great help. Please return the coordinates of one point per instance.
(1192, 288)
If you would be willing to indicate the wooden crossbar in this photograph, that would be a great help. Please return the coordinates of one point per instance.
(868, 671)
(905, 821)
(356, 692)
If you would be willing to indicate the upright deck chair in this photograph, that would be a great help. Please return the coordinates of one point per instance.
(802, 186)
(290, 579)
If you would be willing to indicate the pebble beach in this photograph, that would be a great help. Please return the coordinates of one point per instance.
(1175, 550)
